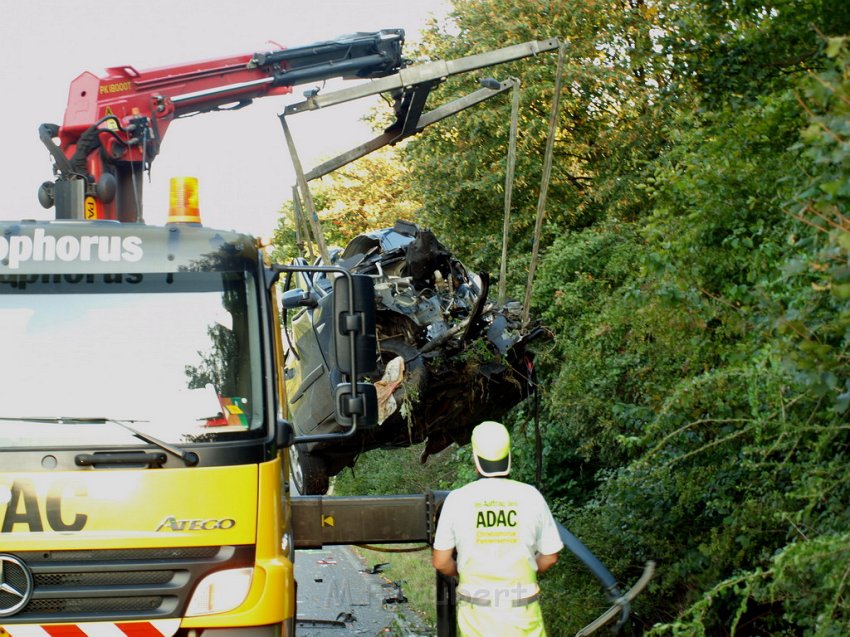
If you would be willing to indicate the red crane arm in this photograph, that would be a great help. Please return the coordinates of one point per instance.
(114, 124)
(125, 94)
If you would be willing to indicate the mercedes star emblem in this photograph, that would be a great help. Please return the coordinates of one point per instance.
(15, 585)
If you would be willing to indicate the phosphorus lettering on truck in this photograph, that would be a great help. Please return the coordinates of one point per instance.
(24, 510)
(18, 249)
(21, 281)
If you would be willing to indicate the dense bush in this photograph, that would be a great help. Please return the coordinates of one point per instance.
(695, 273)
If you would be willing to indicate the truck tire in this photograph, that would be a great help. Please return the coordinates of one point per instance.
(309, 472)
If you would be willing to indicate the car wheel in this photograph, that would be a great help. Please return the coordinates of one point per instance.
(309, 472)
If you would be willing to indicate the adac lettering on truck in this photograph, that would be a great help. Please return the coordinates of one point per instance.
(26, 511)
(18, 249)
(134, 503)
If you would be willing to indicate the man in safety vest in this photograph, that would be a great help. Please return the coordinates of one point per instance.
(504, 535)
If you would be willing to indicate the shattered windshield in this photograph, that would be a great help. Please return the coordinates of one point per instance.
(176, 354)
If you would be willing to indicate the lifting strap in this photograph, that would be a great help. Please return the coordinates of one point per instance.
(509, 187)
(544, 184)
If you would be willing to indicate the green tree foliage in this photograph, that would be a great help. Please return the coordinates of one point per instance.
(365, 195)
(721, 439)
(696, 274)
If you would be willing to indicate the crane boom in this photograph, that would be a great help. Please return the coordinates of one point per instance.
(114, 124)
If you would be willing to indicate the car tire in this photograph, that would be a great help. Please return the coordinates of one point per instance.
(309, 472)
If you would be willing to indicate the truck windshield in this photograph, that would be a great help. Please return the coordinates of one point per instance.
(177, 354)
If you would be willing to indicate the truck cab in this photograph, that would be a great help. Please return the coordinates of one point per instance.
(141, 480)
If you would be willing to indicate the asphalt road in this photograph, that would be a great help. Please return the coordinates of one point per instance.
(337, 596)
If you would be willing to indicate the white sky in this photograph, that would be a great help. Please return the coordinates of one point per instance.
(240, 157)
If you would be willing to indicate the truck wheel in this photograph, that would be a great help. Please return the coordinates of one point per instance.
(309, 473)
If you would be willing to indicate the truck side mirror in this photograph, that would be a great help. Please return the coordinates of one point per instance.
(356, 349)
(365, 405)
(354, 325)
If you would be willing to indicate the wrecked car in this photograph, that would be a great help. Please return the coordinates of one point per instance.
(449, 357)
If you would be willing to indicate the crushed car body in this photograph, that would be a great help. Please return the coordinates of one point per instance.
(449, 356)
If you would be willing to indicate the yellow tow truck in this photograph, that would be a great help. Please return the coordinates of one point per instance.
(144, 471)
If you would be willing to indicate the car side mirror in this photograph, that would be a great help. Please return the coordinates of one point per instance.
(296, 298)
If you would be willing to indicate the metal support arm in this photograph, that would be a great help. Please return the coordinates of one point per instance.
(393, 135)
(438, 71)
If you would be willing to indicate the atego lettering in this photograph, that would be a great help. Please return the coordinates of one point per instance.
(18, 249)
(172, 523)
